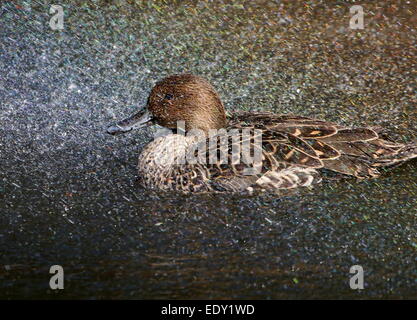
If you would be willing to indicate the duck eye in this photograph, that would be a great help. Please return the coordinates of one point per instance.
(169, 96)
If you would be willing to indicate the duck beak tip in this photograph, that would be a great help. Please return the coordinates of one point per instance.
(114, 130)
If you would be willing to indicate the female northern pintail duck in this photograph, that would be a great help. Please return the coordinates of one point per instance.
(294, 150)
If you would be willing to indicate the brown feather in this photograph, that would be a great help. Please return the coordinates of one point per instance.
(352, 135)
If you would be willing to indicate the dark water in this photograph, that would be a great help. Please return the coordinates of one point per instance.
(69, 194)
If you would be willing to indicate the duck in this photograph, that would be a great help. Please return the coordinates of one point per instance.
(292, 151)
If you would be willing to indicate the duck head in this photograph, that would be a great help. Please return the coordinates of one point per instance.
(183, 97)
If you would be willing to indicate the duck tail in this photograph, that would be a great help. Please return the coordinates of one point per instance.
(405, 153)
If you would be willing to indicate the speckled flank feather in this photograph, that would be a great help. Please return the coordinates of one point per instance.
(296, 151)
(159, 165)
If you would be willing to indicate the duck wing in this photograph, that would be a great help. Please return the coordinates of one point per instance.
(290, 152)
(295, 151)
(290, 140)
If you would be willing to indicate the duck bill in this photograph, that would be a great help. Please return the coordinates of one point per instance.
(139, 120)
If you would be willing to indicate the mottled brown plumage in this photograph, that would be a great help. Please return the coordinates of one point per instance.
(296, 151)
